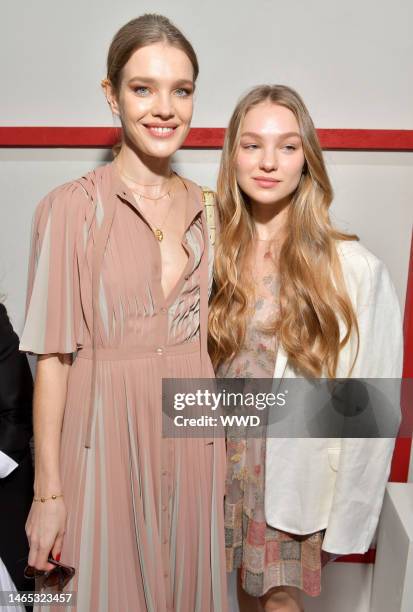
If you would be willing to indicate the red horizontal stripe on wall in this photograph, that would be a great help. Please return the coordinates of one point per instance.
(367, 140)
(198, 138)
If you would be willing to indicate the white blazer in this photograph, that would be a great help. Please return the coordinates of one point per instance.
(338, 484)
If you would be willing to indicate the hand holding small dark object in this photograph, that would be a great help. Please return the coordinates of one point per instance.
(59, 576)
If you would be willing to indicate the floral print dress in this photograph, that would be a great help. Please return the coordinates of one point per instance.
(267, 556)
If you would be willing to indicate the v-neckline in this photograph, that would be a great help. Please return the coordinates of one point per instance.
(192, 210)
(169, 299)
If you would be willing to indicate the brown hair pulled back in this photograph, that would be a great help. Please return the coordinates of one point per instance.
(145, 30)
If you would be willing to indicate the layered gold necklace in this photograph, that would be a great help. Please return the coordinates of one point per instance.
(157, 229)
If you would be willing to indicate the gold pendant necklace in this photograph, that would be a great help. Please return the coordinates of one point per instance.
(159, 235)
(157, 231)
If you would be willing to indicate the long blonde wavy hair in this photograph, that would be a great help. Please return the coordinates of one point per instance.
(312, 297)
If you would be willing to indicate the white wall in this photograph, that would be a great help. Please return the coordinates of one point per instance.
(345, 587)
(351, 61)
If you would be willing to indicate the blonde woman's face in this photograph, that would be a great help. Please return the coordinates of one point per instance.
(155, 100)
(270, 157)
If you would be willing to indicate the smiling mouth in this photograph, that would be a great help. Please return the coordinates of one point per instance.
(161, 131)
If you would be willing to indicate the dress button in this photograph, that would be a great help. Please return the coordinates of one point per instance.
(164, 508)
(165, 541)
(165, 575)
(186, 277)
(163, 309)
(164, 472)
(159, 350)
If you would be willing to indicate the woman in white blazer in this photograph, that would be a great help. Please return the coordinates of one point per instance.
(295, 298)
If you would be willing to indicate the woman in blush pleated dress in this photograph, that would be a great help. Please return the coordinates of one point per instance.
(119, 275)
(294, 297)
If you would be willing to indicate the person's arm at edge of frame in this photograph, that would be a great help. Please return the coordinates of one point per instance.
(45, 526)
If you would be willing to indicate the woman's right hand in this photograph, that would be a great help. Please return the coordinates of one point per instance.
(45, 528)
(46, 523)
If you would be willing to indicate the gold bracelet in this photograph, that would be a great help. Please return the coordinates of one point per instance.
(44, 499)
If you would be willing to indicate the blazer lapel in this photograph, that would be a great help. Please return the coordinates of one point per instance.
(280, 363)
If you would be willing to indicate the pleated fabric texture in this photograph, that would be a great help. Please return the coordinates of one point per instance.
(145, 513)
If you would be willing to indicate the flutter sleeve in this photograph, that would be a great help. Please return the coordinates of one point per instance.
(53, 304)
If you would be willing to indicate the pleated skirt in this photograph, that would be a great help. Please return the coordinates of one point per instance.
(145, 513)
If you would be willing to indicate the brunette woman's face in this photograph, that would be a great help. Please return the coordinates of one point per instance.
(270, 156)
(155, 100)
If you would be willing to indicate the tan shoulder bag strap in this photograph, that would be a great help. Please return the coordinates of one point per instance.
(209, 199)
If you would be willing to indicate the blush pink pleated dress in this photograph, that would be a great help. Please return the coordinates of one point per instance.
(145, 513)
